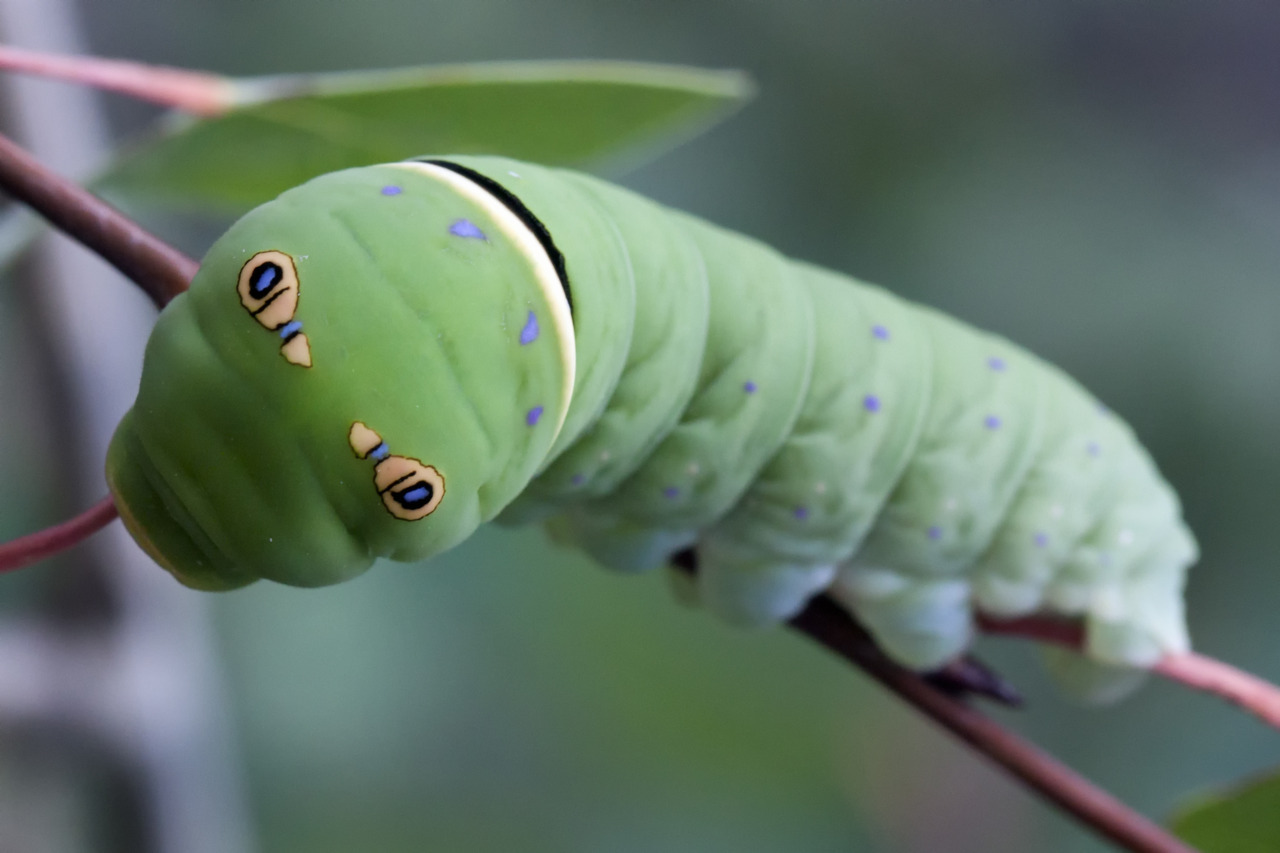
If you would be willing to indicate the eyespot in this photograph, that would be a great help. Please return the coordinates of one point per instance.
(410, 490)
(268, 288)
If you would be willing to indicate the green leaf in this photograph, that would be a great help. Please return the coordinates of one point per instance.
(286, 130)
(1244, 819)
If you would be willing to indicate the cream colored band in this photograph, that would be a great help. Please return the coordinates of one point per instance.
(544, 272)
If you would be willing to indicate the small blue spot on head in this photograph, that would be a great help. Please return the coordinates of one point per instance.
(380, 452)
(749, 387)
(466, 228)
(578, 479)
(391, 189)
(290, 328)
(534, 414)
(935, 532)
(871, 403)
(671, 492)
(529, 333)
(801, 512)
(996, 363)
(1094, 448)
(1041, 540)
(880, 332)
(992, 422)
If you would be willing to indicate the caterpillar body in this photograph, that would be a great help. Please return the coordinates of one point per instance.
(382, 359)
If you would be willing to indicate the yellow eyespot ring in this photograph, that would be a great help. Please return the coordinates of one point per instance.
(410, 490)
(268, 288)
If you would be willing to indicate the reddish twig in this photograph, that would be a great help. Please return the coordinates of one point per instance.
(155, 266)
(827, 623)
(1255, 695)
(190, 91)
(830, 625)
(52, 540)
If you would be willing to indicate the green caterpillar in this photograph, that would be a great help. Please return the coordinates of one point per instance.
(384, 358)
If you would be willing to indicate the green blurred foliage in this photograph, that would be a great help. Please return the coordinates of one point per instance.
(1245, 819)
(1098, 181)
(291, 128)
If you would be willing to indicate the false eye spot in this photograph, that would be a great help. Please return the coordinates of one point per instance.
(268, 288)
(410, 490)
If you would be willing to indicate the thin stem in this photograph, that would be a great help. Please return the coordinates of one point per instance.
(1199, 672)
(190, 91)
(155, 266)
(52, 540)
(831, 626)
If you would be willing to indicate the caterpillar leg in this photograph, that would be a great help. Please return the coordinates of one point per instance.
(619, 543)
(752, 588)
(1090, 681)
(922, 624)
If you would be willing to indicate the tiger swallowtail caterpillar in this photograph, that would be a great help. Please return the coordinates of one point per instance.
(381, 360)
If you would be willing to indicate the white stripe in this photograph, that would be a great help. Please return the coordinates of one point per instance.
(526, 242)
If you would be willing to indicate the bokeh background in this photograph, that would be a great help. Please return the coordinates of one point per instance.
(1097, 181)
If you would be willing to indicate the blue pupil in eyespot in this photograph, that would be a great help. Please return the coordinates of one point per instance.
(415, 497)
(262, 279)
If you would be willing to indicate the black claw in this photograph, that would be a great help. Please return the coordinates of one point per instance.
(968, 676)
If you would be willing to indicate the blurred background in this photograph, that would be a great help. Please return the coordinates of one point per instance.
(1097, 181)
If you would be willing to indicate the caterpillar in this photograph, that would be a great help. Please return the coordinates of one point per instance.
(384, 358)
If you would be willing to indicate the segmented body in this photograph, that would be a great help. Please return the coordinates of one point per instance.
(803, 431)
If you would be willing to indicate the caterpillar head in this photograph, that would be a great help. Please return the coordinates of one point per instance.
(370, 365)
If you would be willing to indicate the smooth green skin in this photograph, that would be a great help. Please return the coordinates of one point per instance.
(803, 431)
(234, 464)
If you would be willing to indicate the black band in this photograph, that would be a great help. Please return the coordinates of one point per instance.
(516, 206)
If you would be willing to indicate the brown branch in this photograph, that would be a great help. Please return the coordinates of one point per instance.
(1255, 695)
(155, 266)
(190, 91)
(52, 540)
(830, 625)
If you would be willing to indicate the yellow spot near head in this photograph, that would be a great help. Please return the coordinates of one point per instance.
(297, 350)
(362, 439)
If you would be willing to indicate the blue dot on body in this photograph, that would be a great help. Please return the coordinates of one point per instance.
(529, 333)
(992, 422)
(749, 387)
(534, 414)
(935, 532)
(880, 332)
(871, 403)
(466, 228)
(1041, 540)
(801, 512)
(578, 479)
(391, 189)
(996, 363)
(671, 492)
(1094, 448)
